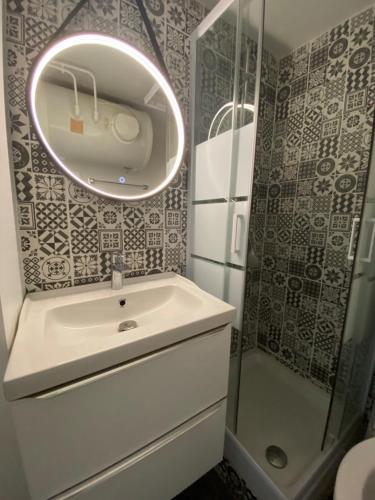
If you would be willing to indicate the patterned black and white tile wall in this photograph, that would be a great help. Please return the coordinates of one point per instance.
(67, 233)
(262, 166)
(312, 186)
(214, 76)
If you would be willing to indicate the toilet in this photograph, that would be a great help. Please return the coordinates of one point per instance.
(355, 478)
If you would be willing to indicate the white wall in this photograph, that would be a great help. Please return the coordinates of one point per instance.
(11, 288)
(12, 480)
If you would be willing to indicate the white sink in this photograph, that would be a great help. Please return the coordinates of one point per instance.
(100, 317)
(356, 475)
(67, 334)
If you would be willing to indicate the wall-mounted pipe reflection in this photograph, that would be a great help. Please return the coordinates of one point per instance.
(75, 87)
(65, 67)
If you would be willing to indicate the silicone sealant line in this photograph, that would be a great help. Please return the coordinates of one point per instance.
(57, 67)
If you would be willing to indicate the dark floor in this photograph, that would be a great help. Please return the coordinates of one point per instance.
(208, 487)
(211, 487)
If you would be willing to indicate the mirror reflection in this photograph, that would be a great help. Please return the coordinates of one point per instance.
(107, 116)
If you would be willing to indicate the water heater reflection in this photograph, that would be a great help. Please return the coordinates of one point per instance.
(124, 131)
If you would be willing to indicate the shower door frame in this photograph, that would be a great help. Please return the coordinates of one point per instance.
(334, 428)
(201, 29)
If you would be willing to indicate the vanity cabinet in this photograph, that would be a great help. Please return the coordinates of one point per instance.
(142, 430)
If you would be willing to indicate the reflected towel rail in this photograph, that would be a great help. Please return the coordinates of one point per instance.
(92, 180)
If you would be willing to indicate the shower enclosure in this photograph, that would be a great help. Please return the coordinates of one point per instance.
(225, 101)
(282, 225)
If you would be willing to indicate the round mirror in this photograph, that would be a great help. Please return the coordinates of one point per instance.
(107, 116)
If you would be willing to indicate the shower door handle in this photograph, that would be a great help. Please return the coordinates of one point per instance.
(236, 245)
(372, 240)
(354, 225)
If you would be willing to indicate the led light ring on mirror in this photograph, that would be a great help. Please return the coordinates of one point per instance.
(114, 43)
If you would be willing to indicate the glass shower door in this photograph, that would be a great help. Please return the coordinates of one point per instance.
(358, 340)
(245, 126)
(223, 137)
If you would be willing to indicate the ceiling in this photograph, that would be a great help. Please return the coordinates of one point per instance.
(289, 24)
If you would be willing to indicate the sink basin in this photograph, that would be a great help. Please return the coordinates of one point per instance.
(101, 317)
(356, 475)
(67, 334)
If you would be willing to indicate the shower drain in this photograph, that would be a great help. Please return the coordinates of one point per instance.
(276, 457)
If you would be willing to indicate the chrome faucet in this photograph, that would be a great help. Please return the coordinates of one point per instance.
(117, 269)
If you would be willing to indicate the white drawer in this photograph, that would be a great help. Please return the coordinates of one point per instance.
(69, 434)
(163, 469)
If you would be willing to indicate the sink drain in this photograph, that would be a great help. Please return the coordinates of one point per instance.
(127, 325)
(276, 457)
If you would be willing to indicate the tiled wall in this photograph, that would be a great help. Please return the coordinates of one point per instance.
(216, 53)
(262, 166)
(67, 233)
(320, 151)
(214, 75)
